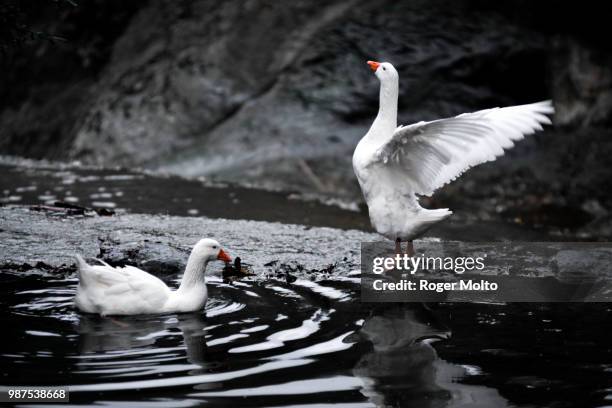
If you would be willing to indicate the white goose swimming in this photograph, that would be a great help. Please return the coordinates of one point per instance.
(107, 290)
(395, 164)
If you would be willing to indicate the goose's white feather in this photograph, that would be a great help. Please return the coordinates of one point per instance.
(127, 290)
(434, 153)
(395, 164)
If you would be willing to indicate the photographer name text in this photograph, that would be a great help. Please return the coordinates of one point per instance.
(429, 286)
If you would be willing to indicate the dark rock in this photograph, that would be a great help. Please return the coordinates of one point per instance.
(35, 243)
(157, 257)
(61, 208)
(58, 210)
(32, 241)
(277, 94)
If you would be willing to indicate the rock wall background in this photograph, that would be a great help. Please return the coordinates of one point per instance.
(277, 94)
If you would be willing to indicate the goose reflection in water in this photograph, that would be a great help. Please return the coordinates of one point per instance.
(400, 369)
(404, 370)
(127, 336)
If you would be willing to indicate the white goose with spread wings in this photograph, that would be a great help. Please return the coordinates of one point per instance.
(396, 164)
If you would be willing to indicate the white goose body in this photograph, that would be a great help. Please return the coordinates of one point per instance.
(127, 290)
(396, 164)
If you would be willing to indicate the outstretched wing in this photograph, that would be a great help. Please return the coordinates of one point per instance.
(432, 154)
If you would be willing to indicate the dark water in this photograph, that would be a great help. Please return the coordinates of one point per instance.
(279, 344)
(274, 343)
(122, 190)
(129, 191)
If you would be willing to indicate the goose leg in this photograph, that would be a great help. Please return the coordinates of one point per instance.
(398, 246)
(409, 248)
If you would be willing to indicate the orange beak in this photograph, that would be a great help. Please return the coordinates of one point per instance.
(373, 65)
(223, 256)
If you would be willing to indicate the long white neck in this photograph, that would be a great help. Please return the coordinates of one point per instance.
(194, 273)
(386, 120)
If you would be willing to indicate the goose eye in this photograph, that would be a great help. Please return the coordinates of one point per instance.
(214, 247)
(384, 69)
